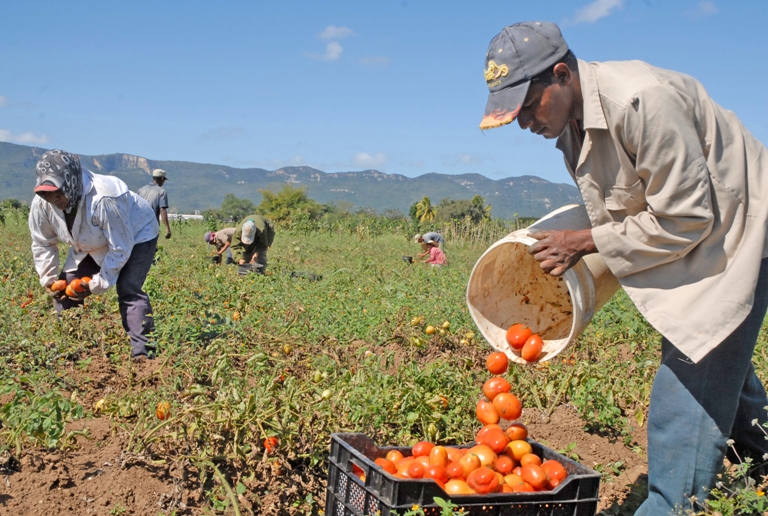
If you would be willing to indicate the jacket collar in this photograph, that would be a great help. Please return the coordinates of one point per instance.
(594, 118)
(569, 142)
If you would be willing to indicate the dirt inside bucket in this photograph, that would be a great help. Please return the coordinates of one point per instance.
(510, 287)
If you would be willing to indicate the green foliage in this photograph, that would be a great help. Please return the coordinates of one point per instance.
(424, 211)
(249, 357)
(232, 211)
(474, 210)
(289, 203)
(35, 417)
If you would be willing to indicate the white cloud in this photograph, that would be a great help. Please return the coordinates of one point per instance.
(375, 61)
(462, 158)
(702, 9)
(334, 32)
(364, 159)
(22, 138)
(332, 52)
(592, 12)
(3, 101)
(222, 133)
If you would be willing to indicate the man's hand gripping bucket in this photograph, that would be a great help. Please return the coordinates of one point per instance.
(508, 286)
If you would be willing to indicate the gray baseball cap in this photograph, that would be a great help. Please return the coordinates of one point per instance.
(515, 56)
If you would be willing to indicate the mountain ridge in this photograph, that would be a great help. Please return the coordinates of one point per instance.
(200, 186)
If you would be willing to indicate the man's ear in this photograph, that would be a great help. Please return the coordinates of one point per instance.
(563, 74)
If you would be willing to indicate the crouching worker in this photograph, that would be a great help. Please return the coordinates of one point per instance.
(435, 257)
(112, 234)
(222, 239)
(251, 240)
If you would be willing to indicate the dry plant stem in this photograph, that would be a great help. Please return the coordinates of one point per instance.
(225, 484)
(559, 395)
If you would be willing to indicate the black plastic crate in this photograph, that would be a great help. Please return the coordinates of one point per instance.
(383, 494)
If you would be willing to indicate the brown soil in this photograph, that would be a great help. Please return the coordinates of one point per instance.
(95, 476)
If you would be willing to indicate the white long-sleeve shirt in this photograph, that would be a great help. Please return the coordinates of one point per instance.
(110, 220)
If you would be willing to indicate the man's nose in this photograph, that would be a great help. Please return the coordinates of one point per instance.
(524, 120)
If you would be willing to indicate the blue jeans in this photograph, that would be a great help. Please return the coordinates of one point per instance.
(696, 408)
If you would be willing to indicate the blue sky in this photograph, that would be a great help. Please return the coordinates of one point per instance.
(336, 85)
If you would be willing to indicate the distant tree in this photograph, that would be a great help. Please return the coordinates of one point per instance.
(485, 208)
(424, 210)
(234, 209)
(288, 202)
(412, 212)
(462, 209)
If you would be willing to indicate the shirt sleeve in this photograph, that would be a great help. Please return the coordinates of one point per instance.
(45, 243)
(163, 201)
(119, 234)
(659, 131)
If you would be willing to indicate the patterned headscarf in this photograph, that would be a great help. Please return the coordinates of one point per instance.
(63, 170)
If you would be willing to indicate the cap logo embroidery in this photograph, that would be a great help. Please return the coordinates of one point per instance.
(494, 71)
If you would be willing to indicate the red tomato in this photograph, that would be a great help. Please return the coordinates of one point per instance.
(507, 406)
(534, 475)
(483, 480)
(555, 471)
(496, 440)
(454, 470)
(163, 410)
(270, 444)
(394, 455)
(437, 473)
(503, 464)
(517, 334)
(494, 386)
(487, 428)
(422, 448)
(523, 487)
(532, 348)
(386, 464)
(454, 454)
(530, 458)
(416, 470)
(517, 432)
(485, 413)
(497, 363)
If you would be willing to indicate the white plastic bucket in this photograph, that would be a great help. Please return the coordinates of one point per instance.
(508, 286)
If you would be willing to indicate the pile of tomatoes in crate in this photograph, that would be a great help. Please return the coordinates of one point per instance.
(501, 460)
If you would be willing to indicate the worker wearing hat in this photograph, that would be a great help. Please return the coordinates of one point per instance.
(222, 240)
(676, 189)
(112, 237)
(251, 241)
(157, 197)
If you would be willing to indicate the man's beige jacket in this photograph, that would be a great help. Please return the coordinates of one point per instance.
(677, 192)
